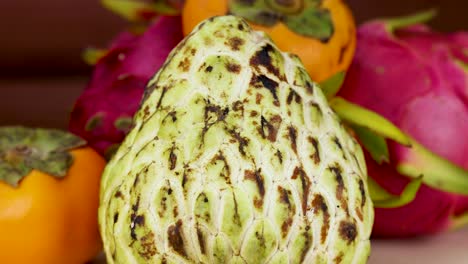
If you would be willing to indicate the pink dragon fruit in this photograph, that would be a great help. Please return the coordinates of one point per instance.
(102, 114)
(418, 79)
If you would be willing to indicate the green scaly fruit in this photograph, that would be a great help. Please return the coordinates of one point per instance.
(235, 157)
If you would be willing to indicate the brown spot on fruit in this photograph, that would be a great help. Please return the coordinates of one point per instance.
(359, 214)
(146, 112)
(163, 93)
(212, 115)
(293, 137)
(217, 111)
(317, 107)
(293, 96)
(258, 202)
(172, 159)
(262, 81)
(148, 246)
(286, 226)
(280, 156)
(237, 106)
(201, 241)
(242, 141)
(118, 194)
(307, 244)
(316, 155)
(139, 220)
(133, 217)
(336, 170)
(258, 98)
(284, 198)
(184, 64)
(225, 174)
(269, 129)
(235, 43)
(184, 180)
(305, 183)
(162, 208)
(141, 173)
(175, 211)
(263, 58)
(356, 160)
(347, 231)
(206, 216)
(232, 67)
(319, 205)
(363, 193)
(338, 143)
(257, 177)
(236, 219)
(174, 233)
(338, 259)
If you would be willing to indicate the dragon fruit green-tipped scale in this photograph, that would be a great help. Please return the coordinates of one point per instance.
(235, 157)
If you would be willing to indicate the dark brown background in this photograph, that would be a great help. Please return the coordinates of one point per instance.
(41, 71)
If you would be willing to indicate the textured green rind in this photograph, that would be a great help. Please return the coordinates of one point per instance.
(235, 157)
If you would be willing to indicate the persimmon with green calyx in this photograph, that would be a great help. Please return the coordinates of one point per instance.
(49, 196)
(321, 32)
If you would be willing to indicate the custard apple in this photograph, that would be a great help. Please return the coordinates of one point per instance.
(235, 157)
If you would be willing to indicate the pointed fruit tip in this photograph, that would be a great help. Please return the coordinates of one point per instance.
(421, 17)
(360, 116)
(382, 199)
(136, 11)
(332, 85)
(92, 55)
(439, 173)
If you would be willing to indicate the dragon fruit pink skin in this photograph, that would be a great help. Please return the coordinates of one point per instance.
(417, 79)
(102, 113)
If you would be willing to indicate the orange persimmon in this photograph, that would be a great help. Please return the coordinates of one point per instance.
(321, 32)
(49, 197)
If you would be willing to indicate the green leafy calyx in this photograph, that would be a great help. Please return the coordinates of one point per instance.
(24, 149)
(304, 17)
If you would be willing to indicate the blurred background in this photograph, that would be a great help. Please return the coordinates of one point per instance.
(41, 70)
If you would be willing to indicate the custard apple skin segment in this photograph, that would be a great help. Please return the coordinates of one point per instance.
(235, 157)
